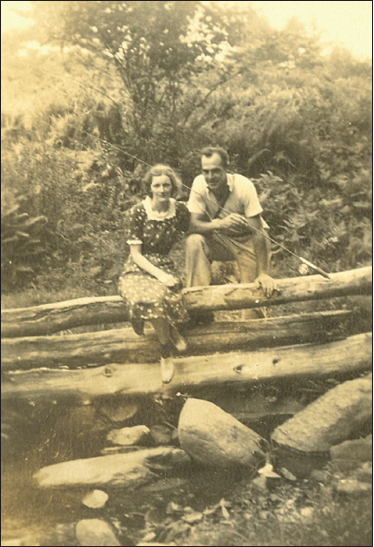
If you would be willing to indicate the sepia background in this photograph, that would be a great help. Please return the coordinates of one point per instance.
(92, 93)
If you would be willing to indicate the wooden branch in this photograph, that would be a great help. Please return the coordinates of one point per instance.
(51, 318)
(352, 355)
(124, 346)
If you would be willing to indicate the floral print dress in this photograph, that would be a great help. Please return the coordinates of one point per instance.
(146, 297)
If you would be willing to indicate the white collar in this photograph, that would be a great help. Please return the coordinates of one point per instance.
(155, 215)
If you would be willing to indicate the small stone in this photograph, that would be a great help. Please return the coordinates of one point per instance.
(150, 536)
(95, 532)
(95, 499)
(287, 474)
(129, 436)
(192, 518)
(353, 487)
(365, 472)
(173, 508)
(307, 514)
(161, 434)
(260, 483)
(319, 475)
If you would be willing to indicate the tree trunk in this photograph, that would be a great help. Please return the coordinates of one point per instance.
(210, 436)
(123, 345)
(51, 318)
(351, 355)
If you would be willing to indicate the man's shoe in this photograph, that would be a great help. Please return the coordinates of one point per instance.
(177, 339)
(166, 369)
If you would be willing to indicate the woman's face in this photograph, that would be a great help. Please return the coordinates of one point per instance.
(161, 188)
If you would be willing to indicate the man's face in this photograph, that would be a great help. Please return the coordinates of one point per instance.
(214, 174)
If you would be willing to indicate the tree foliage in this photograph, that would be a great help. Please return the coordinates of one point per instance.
(134, 83)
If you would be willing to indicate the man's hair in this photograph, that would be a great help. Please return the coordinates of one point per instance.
(158, 170)
(210, 150)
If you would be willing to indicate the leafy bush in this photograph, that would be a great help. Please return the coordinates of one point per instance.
(21, 249)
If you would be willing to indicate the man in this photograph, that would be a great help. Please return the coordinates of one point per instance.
(224, 207)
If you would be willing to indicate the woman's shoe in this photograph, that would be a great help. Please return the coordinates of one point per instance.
(166, 369)
(138, 326)
(177, 339)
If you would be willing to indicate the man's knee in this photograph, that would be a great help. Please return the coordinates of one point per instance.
(195, 243)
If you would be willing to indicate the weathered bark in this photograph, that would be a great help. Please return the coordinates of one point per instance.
(212, 437)
(351, 355)
(51, 318)
(123, 470)
(329, 420)
(123, 345)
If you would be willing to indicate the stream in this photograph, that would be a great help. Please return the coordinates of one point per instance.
(42, 434)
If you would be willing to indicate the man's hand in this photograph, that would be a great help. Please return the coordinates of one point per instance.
(234, 223)
(266, 283)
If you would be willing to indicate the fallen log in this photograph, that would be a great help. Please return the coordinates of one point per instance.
(329, 420)
(212, 437)
(352, 355)
(123, 345)
(52, 318)
(117, 470)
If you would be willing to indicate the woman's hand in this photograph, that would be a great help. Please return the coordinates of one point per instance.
(167, 279)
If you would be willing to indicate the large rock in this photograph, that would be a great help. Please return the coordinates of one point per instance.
(213, 437)
(331, 419)
(95, 532)
(351, 454)
(125, 470)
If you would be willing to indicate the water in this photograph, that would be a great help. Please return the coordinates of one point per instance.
(43, 434)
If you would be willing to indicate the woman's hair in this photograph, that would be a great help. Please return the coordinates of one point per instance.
(158, 170)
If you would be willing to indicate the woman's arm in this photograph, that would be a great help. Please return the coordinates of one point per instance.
(143, 263)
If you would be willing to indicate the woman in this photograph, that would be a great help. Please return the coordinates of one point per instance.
(149, 284)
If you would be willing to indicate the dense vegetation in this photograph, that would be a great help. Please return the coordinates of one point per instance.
(91, 95)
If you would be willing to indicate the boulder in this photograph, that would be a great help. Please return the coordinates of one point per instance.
(331, 419)
(130, 470)
(212, 437)
(350, 454)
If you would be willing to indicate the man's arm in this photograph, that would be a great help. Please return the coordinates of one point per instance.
(233, 223)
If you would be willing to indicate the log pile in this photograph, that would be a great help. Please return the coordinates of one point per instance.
(40, 366)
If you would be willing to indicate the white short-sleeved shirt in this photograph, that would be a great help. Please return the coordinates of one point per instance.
(243, 198)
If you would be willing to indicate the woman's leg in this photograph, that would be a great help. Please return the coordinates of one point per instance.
(162, 329)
